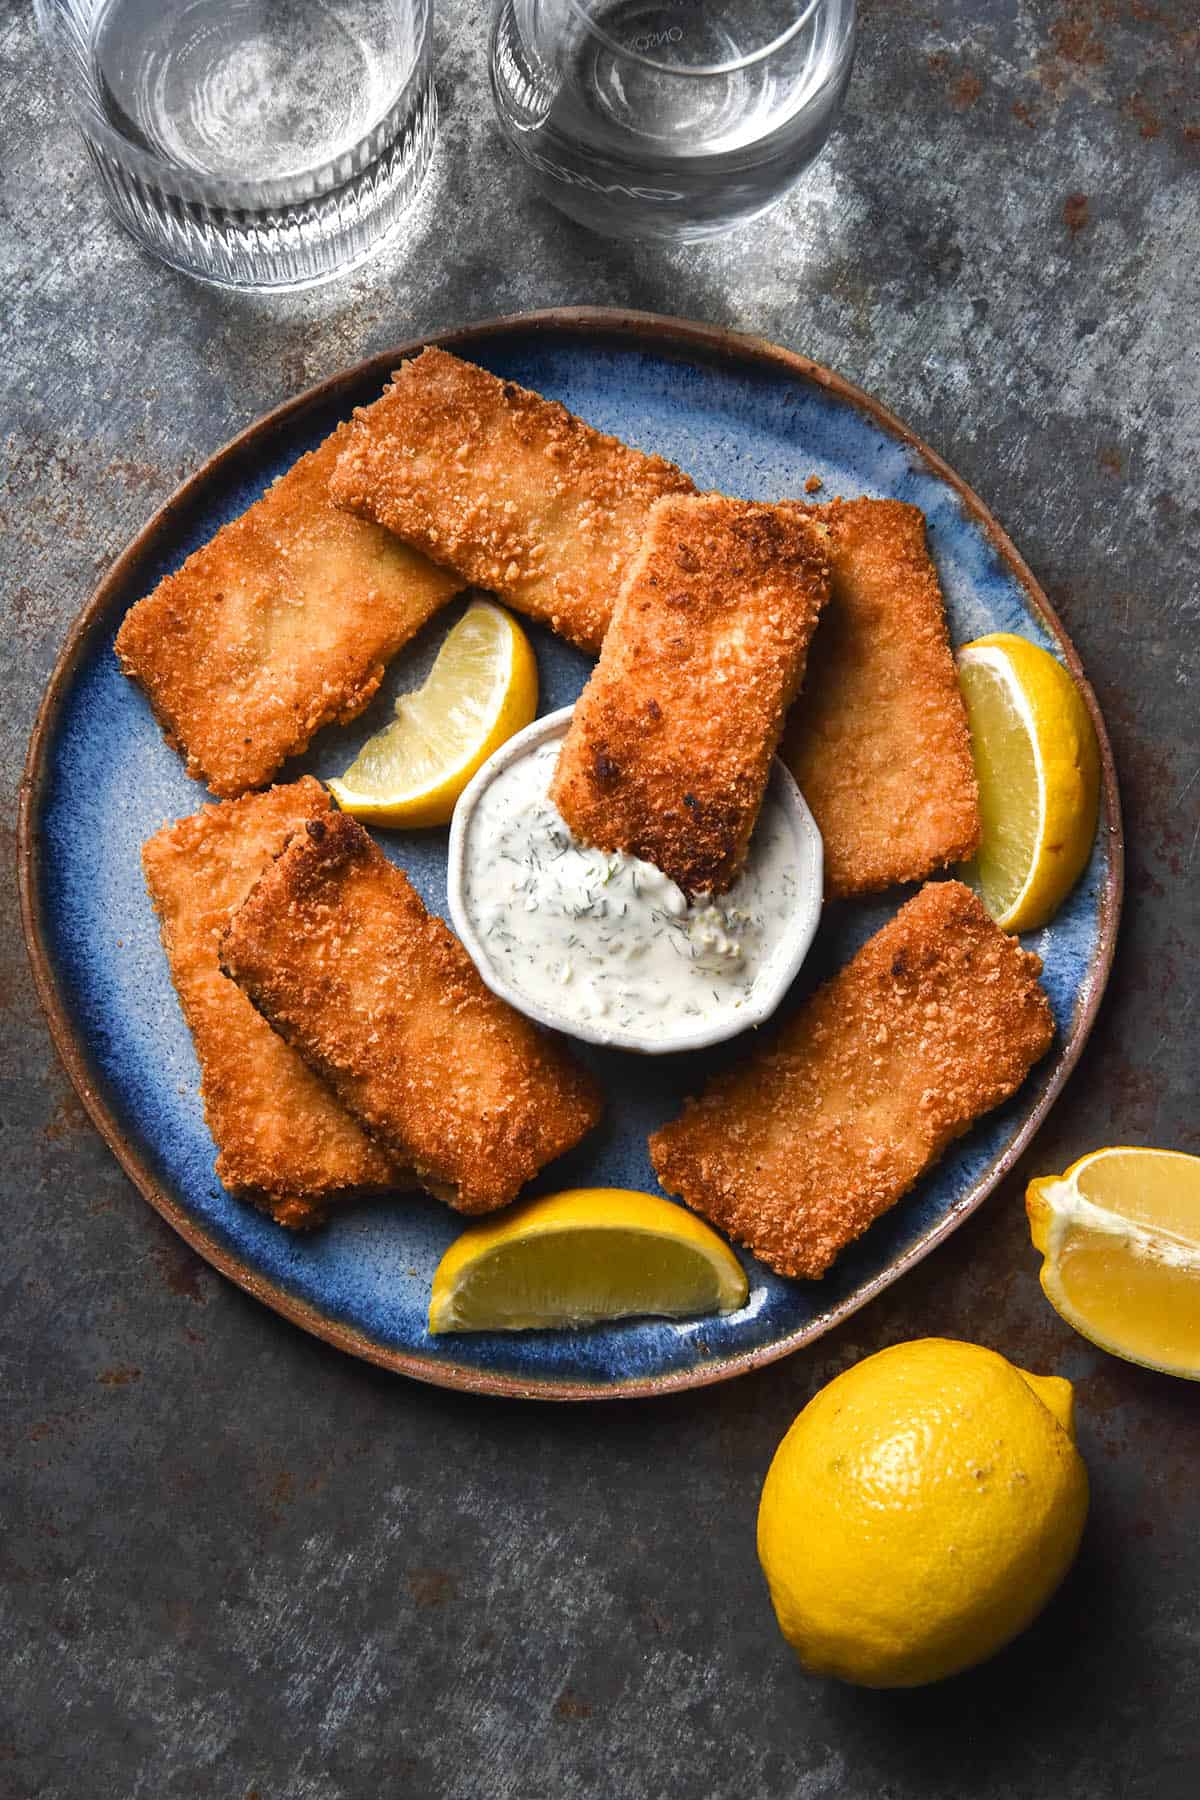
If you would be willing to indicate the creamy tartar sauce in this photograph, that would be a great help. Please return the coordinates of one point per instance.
(601, 937)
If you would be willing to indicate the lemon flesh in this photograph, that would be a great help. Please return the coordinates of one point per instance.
(1119, 1235)
(1038, 768)
(582, 1256)
(920, 1512)
(482, 688)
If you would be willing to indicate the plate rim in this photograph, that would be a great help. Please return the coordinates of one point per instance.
(637, 329)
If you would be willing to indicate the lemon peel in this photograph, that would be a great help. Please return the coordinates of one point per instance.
(920, 1512)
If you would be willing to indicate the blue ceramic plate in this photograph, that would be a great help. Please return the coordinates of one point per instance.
(739, 415)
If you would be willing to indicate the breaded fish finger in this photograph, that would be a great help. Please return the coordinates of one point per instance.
(670, 746)
(335, 948)
(283, 1140)
(878, 740)
(283, 623)
(509, 490)
(937, 1019)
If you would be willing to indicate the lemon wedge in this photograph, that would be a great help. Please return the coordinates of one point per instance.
(482, 688)
(1119, 1235)
(582, 1256)
(1038, 767)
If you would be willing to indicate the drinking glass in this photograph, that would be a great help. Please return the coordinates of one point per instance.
(669, 119)
(259, 144)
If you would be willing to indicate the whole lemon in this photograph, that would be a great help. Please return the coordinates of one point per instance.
(920, 1512)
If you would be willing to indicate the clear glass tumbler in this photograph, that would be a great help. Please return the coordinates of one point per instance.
(669, 119)
(259, 144)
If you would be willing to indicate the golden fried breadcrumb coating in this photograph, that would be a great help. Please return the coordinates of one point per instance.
(878, 739)
(284, 1142)
(670, 746)
(283, 623)
(335, 948)
(937, 1019)
(512, 492)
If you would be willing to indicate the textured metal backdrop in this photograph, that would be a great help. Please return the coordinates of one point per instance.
(235, 1562)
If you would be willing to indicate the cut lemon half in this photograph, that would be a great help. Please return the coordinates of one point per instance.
(482, 688)
(582, 1256)
(1038, 767)
(1119, 1235)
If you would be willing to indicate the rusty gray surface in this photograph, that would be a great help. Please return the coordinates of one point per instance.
(236, 1563)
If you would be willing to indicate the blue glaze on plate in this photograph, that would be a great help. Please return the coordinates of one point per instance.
(109, 781)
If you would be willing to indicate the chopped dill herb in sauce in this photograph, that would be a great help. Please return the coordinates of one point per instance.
(596, 935)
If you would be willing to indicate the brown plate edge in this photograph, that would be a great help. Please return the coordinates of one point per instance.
(716, 344)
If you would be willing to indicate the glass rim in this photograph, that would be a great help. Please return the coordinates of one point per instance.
(311, 183)
(699, 71)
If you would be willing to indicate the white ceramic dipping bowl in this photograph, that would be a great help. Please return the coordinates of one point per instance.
(775, 977)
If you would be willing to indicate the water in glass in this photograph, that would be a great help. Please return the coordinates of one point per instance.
(263, 143)
(669, 118)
